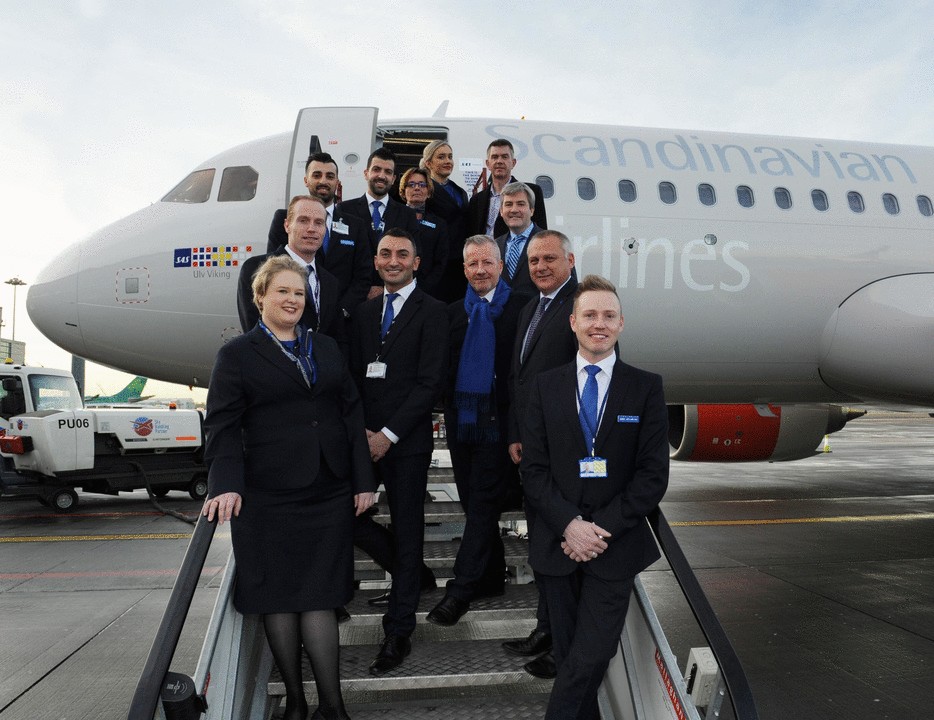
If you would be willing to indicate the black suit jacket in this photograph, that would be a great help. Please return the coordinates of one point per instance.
(522, 280)
(479, 207)
(415, 353)
(633, 438)
(348, 257)
(331, 319)
(453, 284)
(396, 215)
(432, 242)
(553, 344)
(505, 332)
(265, 428)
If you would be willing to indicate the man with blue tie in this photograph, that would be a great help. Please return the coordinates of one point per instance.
(516, 209)
(398, 357)
(379, 211)
(594, 465)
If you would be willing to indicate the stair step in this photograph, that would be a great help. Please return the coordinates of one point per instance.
(441, 554)
(461, 708)
(433, 670)
(447, 511)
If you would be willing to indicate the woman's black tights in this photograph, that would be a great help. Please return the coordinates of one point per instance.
(316, 630)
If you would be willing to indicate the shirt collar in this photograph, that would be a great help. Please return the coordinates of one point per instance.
(606, 364)
(299, 259)
(404, 292)
(527, 232)
(552, 295)
(383, 200)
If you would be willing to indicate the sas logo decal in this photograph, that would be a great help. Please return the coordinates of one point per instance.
(212, 256)
(20, 424)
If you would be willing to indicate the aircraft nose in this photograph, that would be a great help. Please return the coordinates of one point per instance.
(52, 301)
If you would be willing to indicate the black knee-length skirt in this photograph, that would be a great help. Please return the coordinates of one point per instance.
(294, 548)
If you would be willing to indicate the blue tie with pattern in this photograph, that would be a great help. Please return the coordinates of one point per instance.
(513, 252)
(377, 216)
(388, 315)
(588, 409)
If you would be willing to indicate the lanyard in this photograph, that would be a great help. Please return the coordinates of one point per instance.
(593, 431)
(301, 359)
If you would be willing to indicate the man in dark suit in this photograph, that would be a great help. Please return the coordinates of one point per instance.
(398, 358)
(483, 331)
(377, 210)
(483, 211)
(305, 226)
(345, 251)
(518, 204)
(544, 341)
(594, 464)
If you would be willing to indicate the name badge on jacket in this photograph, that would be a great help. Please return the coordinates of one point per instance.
(340, 228)
(627, 418)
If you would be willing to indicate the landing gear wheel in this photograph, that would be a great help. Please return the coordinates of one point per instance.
(63, 500)
(198, 488)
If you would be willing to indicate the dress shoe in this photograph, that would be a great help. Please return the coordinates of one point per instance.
(392, 652)
(428, 584)
(536, 643)
(542, 667)
(448, 611)
(342, 614)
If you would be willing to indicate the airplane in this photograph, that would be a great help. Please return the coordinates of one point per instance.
(132, 393)
(769, 280)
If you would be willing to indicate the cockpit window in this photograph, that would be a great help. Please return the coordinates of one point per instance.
(196, 188)
(238, 184)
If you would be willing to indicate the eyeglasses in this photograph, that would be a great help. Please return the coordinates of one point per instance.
(414, 184)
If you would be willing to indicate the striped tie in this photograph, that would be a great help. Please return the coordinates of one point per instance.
(536, 318)
(513, 252)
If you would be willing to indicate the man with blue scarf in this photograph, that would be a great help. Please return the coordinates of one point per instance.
(483, 330)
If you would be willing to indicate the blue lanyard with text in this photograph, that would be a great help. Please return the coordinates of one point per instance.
(303, 360)
(592, 431)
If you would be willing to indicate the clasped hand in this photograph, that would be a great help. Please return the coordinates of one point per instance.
(584, 541)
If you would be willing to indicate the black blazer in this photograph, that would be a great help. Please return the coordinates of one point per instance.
(505, 331)
(331, 322)
(396, 215)
(633, 438)
(265, 428)
(415, 353)
(432, 241)
(455, 215)
(479, 208)
(348, 257)
(553, 344)
(522, 281)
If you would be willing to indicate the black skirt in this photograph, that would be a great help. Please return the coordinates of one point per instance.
(294, 548)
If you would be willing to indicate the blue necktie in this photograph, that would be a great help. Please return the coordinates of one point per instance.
(512, 254)
(388, 315)
(327, 239)
(588, 409)
(377, 217)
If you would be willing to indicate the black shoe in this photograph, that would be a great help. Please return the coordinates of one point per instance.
(392, 652)
(428, 584)
(536, 643)
(342, 614)
(448, 611)
(542, 667)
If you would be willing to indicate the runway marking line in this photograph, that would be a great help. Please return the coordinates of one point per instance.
(800, 521)
(98, 538)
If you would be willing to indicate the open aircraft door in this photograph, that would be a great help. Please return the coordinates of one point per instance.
(347, 133)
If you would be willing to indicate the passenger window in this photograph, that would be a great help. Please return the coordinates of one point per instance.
(627, 191)
(783, 198)
(855, 201)
(586, 189)
(238, 184)
(890, 202)
(547, 185)
(819, 198)
(667, 193)
(706, 194)
(745, 197)
(196, 188)
(924, 205)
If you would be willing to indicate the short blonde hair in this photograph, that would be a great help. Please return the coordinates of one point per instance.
(415, 171)
(263, 276)
(429, 152)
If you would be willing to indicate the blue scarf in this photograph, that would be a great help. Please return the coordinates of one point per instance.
(474, 384)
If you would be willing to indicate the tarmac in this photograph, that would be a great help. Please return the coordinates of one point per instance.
(821, 571)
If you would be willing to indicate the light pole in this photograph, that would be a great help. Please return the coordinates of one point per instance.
(16, 283)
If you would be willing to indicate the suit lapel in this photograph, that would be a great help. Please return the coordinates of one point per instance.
(409, 308)
(567, 407)
(616, 394)
(268, 350)
(556, 309)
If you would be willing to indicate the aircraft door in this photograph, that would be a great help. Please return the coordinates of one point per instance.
(347, 133)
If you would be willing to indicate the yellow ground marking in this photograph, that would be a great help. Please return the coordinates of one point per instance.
(99, 538)
(801, 521)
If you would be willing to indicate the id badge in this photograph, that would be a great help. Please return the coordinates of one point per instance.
(593, 467)
(376, 370)
(340, 228)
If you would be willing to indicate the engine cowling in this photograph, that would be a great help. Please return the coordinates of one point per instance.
(751, 433)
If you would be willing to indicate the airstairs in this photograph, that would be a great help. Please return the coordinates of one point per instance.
(452, 673)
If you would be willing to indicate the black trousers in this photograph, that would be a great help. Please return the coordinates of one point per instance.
(479, 468)
(587, 616)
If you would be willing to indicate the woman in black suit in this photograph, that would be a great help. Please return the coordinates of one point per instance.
(432, 238)
(289, 465)
(448, 200)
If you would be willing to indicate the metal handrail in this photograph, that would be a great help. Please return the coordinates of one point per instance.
(734, 677)
(146, 697)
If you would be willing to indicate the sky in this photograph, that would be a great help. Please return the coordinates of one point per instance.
(107, 104)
